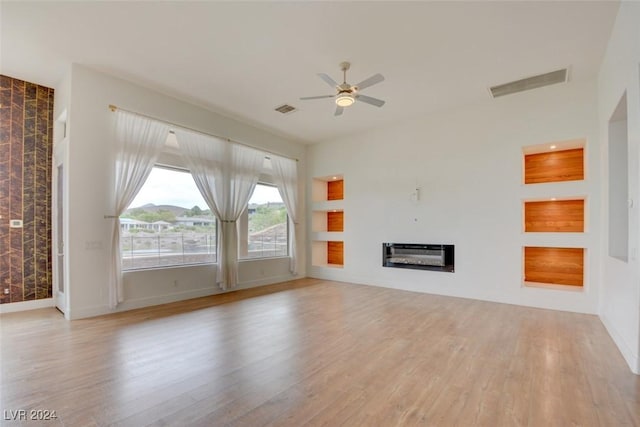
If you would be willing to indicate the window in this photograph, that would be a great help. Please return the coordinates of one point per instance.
(167, 224)
(264, 229)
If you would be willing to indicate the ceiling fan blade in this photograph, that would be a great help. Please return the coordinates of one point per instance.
(376, 78)
(370, 100)
(317, 97)
(339, 111)
(328, 79)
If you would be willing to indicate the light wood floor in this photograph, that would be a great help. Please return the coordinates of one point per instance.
(313, 352)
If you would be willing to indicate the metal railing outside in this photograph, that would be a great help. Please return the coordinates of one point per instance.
(270, 243)
(142, 250)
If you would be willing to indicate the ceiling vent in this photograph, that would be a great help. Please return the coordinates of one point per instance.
(285, 109)
(547, 79)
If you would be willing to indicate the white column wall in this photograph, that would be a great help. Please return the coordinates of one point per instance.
(620, 73)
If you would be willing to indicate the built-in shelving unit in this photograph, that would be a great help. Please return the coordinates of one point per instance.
(552, 218)
(327, 222)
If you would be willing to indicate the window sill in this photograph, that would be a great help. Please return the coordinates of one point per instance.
(242, 260)
(168, 267)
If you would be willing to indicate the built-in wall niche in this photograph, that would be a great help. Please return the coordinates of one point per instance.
(327, 221)
(327, 188)
(619, 182)
(554, 215)
(552, 266)
(328, 253)
(554, 162)
(332, 221)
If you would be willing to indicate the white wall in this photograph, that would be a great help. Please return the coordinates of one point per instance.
(620, 73)
(91, 195)
(468, 166)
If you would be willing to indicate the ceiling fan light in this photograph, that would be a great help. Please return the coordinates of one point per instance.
(345, 100)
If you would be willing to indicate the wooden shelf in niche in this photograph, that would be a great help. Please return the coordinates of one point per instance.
(555, 216)
(554, 166)
(554, 266)
(335, 221)
(335, 253)
(335, 190)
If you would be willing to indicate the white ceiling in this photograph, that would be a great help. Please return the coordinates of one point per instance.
(243, 59)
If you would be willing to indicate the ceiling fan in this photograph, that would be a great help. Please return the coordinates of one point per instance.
(347, 94)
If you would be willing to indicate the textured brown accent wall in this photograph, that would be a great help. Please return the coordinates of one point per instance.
(26, 140)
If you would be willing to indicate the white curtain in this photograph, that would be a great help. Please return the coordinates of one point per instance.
(285, 175)
(226, 175)
(138, 142)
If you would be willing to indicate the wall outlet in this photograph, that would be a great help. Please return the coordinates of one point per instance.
(6, 291)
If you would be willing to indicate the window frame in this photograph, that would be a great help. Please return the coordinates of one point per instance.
(172, 167)
(243, 228)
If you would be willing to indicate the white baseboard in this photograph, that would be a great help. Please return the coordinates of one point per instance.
(166, 299)
(83, 313)
(263, 282)
(329, 273)
(133, 304)
(13, 307)
(174, 297)
(630, 356)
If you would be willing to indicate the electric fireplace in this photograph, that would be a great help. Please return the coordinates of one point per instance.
(419, 256)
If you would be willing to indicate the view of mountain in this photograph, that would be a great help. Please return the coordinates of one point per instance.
(150, 207)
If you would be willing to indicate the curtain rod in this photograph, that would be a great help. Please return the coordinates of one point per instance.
(113, 109)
